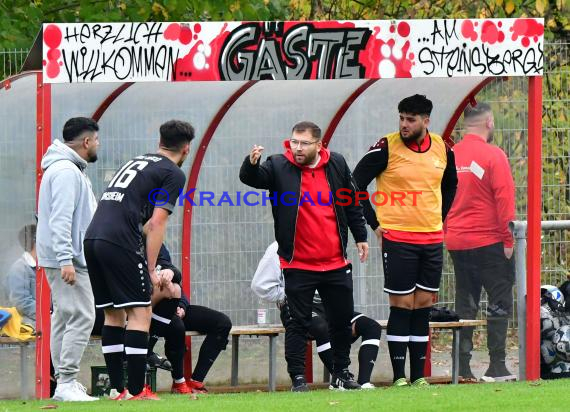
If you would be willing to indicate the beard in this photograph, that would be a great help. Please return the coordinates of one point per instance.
(92, 158)
(308, 159)
(412, 137)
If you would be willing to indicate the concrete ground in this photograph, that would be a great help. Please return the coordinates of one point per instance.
(253, 366)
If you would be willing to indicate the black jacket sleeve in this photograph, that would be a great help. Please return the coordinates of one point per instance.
(370, 166)
(184, 302)
(354, 212)
(165, 262)
(259, 176)
(448, 184)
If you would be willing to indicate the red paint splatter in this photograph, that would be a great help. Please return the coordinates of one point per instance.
(185, 35)
(392, 28)
(53, 54)
(468, 31)
(500, 24)
(197, 28)
(52, 36)
(501, 37)
(489, 32)
(403, 29)
(195, 37)
(526, 28)
(184, 69)
(52, 69)
(372, 57)
(172, 32)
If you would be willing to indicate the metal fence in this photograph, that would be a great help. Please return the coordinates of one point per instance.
(11, 62)
(221, 275)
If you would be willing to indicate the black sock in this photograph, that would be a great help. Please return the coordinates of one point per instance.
(175, 346)
(419, 339)
(208, 354)
(215, 342)
(398, 335)
(112, 344)
(136, 344)
(370, 331)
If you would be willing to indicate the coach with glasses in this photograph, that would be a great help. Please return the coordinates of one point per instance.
(312, 236)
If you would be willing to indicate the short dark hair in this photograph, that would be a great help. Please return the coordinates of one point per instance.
(27, 237)
(479, 109)
(310, 126)
(174, 134)
(75, 127)
(416, 104)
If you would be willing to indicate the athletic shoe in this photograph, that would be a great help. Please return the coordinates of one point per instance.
(420, 382)
(498, 372)
(145, 395)
(72, 392)
(299, 384)
(180, 388)
(368, 385)
(343, 381)
(196, 386)
(115, 395)
(154, 360)
(400, 382)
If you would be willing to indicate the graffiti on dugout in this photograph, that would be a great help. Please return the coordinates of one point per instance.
(97, 52)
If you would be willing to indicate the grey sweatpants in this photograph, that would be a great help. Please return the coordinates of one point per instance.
(71, 322)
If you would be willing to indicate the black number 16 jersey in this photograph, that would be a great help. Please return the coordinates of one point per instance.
(140, 185)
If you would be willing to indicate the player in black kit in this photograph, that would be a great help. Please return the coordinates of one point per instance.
(122, 263)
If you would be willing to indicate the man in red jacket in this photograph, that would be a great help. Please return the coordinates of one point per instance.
(311, 229)
(479, 241)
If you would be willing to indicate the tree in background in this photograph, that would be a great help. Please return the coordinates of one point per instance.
(21, 20)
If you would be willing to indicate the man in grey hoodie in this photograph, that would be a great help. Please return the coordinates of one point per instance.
(66, 206)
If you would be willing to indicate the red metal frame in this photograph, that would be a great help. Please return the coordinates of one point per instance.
(188, 209)
(343, 109)
(470, 98)
(534, 212)
(109, 100)
(43, 140)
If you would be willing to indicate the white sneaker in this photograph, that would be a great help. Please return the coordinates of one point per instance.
(72, 392)
(367, 385)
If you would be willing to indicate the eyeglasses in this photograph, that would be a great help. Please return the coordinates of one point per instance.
(296, 143)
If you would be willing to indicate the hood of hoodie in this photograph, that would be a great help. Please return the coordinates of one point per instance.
(60, 151)
(324, 153)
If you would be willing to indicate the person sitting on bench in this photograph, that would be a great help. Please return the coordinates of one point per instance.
(173, 322)
(268, 284)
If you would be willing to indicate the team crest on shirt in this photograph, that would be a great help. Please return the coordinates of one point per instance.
(438, 164)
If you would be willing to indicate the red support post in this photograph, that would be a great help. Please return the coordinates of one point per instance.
(534, 213)
(309, 362)
(43, 140)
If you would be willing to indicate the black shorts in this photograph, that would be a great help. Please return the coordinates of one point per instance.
(408, 266)
(119, 277)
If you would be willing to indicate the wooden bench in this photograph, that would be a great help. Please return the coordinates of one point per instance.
(273, 331)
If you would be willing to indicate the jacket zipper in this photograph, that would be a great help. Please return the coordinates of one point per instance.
(297, 215)
(342, 246)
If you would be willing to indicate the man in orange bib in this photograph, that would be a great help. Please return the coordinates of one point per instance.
(416, 181)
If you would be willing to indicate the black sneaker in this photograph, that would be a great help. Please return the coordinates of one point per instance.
(299, 384)
(343, 381)
(153, 360)
(498, 372)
